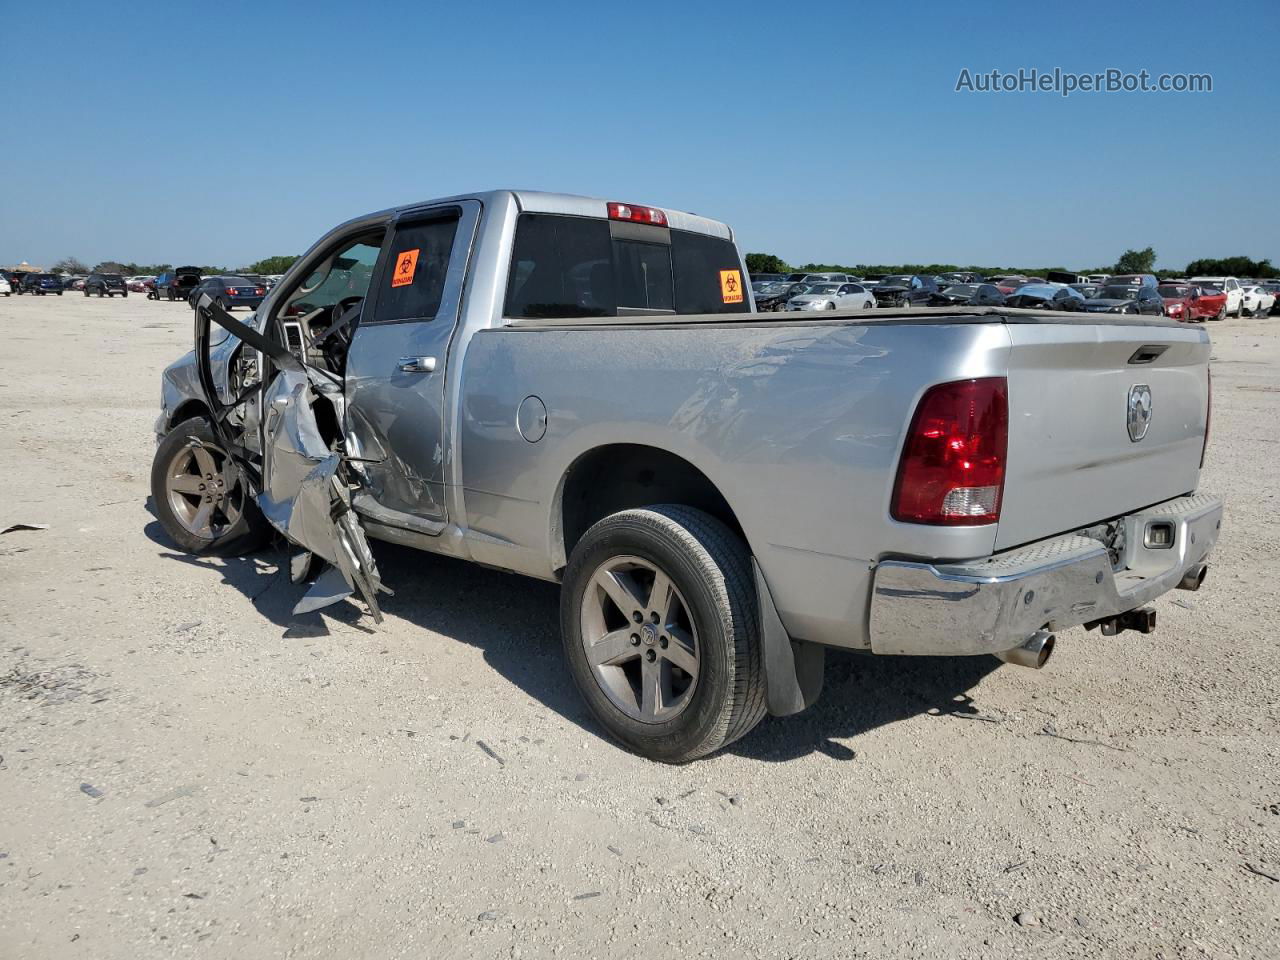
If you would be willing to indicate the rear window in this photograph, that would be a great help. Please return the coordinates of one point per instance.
(580, 267)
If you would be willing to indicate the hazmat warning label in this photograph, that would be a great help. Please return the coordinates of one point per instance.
(731, 286)
(406, 265)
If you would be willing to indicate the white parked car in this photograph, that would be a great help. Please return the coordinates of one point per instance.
(1256, 301)
(833, 296)
(4, 286)
(1235, 294)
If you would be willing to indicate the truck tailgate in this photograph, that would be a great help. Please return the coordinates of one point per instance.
(1071, 459)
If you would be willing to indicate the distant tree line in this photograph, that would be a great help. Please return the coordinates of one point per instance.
(75, 266)
(1131, 261)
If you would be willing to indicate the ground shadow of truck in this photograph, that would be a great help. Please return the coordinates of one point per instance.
(514, 620)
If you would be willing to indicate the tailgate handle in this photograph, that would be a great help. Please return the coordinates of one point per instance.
(1148, 353)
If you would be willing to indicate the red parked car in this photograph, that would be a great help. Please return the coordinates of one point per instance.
(1190, 303)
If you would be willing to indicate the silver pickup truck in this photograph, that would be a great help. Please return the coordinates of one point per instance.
(579, 390)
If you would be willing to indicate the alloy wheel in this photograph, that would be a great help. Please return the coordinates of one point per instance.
(639, 639)
(205, 497)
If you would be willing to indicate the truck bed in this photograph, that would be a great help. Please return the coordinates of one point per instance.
(799, 420)
(882, 315)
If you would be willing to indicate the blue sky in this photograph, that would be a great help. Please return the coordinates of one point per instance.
(831, 132)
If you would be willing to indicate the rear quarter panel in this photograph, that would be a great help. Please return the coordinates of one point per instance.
(798, 424)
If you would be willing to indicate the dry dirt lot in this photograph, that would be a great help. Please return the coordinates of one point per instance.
(187, 771)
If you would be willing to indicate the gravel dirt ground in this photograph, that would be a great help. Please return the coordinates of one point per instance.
(188, 770)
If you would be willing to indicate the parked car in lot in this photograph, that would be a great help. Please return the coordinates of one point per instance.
(1186, 302)
(1127, 298)
(1008, 284)
(905, 291)
(1255, 301)
(1273, 287)
(833, 296)
(958, 278)
(40, 284)
(1229, 286)
(176, 284)
(1046, 296)
(5, 287)
(774, 296)
(105, 285)
(968, 294)
(229, 292)
(1134, 280)
(719, 501)
(1087, 288)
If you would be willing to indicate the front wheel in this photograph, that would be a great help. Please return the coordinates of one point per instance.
(660, 627)
(199, 498)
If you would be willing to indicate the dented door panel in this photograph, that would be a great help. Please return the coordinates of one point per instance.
(396, 368)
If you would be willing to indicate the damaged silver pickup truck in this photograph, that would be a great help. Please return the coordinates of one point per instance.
(578, 390)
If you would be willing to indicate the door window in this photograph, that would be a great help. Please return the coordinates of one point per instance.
(412, 285)
(343, 275)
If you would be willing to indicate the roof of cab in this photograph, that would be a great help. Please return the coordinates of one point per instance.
(567, 204)
(536, 201)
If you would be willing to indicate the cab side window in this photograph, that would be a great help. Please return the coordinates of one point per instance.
(412, 284)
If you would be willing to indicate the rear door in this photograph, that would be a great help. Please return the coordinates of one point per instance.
(1103, 419)
(397, 364)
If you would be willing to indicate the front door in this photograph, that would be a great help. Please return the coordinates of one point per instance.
(396, 367)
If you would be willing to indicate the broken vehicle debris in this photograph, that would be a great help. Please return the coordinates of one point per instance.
(579, 390)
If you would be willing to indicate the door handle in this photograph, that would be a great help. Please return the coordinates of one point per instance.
(417, 364)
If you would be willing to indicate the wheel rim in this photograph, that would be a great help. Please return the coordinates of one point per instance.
(639, 639)
(200, 496)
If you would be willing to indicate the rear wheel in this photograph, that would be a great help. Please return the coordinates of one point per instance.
(199, 497)
(659, 620)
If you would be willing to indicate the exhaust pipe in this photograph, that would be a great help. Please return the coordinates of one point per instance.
(1193, 578)
(1034, 653)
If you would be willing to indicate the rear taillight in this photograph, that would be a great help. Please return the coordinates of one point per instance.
(1208, 415)
(635, 214)
(259, 291)
(952, 467)
(231, 291)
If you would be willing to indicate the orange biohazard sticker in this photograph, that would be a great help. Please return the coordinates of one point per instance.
(731, 286)
(406, 264)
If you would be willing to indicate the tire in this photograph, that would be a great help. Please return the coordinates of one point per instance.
(86, 291)
(713, 607)
(59, 293)
(1221, 314)
(238, 529)
(171, 296)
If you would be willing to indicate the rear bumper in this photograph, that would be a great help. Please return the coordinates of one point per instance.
(994, 604)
